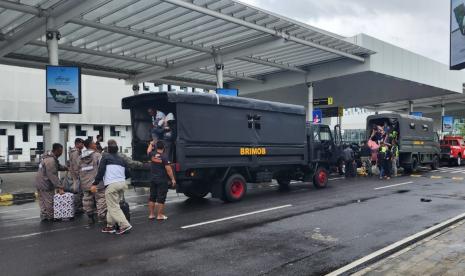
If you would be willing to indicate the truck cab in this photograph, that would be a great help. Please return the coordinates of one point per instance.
(452, 150)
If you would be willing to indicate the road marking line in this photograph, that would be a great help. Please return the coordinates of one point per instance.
(436, 177)
(17, 210)
(237, 216)
(394, 185)
(40, 233)
(416, 175)
(336, 178)
(457, 178)
(391, 249)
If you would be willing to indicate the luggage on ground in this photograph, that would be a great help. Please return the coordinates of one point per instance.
(63, 206)
(125, 208)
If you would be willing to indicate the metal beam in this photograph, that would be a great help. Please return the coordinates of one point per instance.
(41, 65)
(272, 64)
(138, 34)
(228, 18)
(245, 49)
(186, 82)
(228, 75)
(100, 53)
(36, 27)
(22, 8)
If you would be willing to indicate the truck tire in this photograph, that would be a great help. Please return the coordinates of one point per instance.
(413, 167)
(320, 178)
(435, 165)
(235, 188)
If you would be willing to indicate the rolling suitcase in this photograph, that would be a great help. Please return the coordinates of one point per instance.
(63, 206)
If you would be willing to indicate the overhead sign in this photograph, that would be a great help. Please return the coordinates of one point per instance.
(418, 114)
(317, 116)
(323, 101)
(337, 111)
(447, 124)
(227, 92)
(63, 85)
(457, 35)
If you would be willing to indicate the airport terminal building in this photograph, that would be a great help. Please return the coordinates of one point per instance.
(225, 44)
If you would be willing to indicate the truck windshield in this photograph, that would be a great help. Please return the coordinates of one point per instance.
(325, 134)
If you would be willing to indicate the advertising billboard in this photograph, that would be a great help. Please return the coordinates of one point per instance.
(63, 85)
(457, 35)
(447, 124)
(317, 116)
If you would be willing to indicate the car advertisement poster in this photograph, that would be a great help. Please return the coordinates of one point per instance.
(447, 124)
(63, 85)
(457, 34)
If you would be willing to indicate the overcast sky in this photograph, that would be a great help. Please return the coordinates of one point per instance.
(421, 26)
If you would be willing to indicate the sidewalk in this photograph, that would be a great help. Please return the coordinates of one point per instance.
(440, 254)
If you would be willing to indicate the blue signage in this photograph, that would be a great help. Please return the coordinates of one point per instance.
(418, 114)
(447, 124)
(227, 92)
(317, 116)
(63, 85)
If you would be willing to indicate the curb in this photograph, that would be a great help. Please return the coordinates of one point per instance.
(24, 196)
(395, 247)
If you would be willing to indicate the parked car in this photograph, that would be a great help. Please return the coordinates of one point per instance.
(452, 150)
(62, 96)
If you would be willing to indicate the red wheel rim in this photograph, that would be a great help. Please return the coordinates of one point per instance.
(322, 177)
(237, 188)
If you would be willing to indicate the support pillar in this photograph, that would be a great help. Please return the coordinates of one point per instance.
(53, 36)
(310, 102)
(410, 107)
(219, 66)
(443, 113)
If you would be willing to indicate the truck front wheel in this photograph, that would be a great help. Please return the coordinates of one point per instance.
(235, 188)
(320, 179)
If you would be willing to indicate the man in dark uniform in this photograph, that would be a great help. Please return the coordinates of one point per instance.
(161, 173)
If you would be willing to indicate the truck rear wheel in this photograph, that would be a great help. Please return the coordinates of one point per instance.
(235, 188)
(320, 179)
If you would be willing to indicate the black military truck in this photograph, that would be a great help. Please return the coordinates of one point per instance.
(225, 142)
(418, 142)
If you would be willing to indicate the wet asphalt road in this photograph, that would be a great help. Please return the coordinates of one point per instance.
(300, 232)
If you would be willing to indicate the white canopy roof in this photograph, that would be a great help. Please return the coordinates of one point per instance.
(169, 41)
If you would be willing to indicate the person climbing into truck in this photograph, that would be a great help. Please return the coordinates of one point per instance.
(169, 135)
(157, 116)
